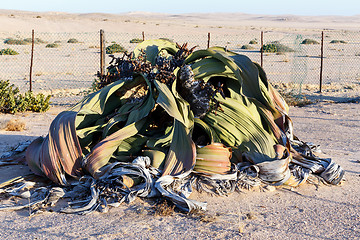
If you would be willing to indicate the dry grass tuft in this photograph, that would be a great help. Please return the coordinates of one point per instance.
(208, 218)
(203, 216)
(297, 101)
(164, 209)
(15, 125)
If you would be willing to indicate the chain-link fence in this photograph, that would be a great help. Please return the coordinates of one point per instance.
(299, 64)
(68, 62)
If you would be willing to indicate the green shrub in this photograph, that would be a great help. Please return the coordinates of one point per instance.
(136, 40)
(338, 41)
(12, 41)
(8, 51)
(247, 47)
(269, 48)
(52, 45)
(114, 48)
(72, 40)
(36, 40)
(253, 42)
(11, 101)
(309, 41)
(25, 41)
(276, 47)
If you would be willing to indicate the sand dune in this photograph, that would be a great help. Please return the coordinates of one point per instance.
(13, 21)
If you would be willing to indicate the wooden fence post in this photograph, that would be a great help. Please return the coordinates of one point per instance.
(208, 43)
(261, 49)
(102, 52)
(143, 36)
(321, 60)
(32, 57)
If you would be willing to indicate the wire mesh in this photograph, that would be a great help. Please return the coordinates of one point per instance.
(68, 62)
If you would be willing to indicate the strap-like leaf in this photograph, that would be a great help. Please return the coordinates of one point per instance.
(152, 48)
(178, 109)
(182, 152)
(102, 152)
(59, 152)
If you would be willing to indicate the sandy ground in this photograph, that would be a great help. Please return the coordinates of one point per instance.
(307, 212)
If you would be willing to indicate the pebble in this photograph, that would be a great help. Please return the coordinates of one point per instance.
(270, 188)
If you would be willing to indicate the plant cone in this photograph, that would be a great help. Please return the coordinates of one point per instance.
(213, 159)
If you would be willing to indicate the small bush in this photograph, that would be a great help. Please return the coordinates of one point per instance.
(269, 48)
(338, 41)
(11, 101)
(114, 48)
(309, 41)
(52, 45)
(72, 40)
(247, 47)
(276, 47)
(8, 51)
(12, 41)
(25, 41)
(36, 40)
(136, 40)
(253, 42)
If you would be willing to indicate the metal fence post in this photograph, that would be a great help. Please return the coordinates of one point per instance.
(102, 52)
(321, 59)
(32, 57)
(261, 49)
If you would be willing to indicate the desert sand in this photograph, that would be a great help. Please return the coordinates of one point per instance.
(311, 211)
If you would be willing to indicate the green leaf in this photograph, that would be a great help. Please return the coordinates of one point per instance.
(157, 157)
(182, 152)
(161, 141)
(173, 104)
(144, 107)
(239, 124)
(240, 66)
(209, 67)
(132, 112)
(153, 47)
(130, 147)
(207, 129)
(102, 151)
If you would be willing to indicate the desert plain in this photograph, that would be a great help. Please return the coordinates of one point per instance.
(311, 211)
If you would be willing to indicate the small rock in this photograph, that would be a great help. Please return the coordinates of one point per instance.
(270, 188)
